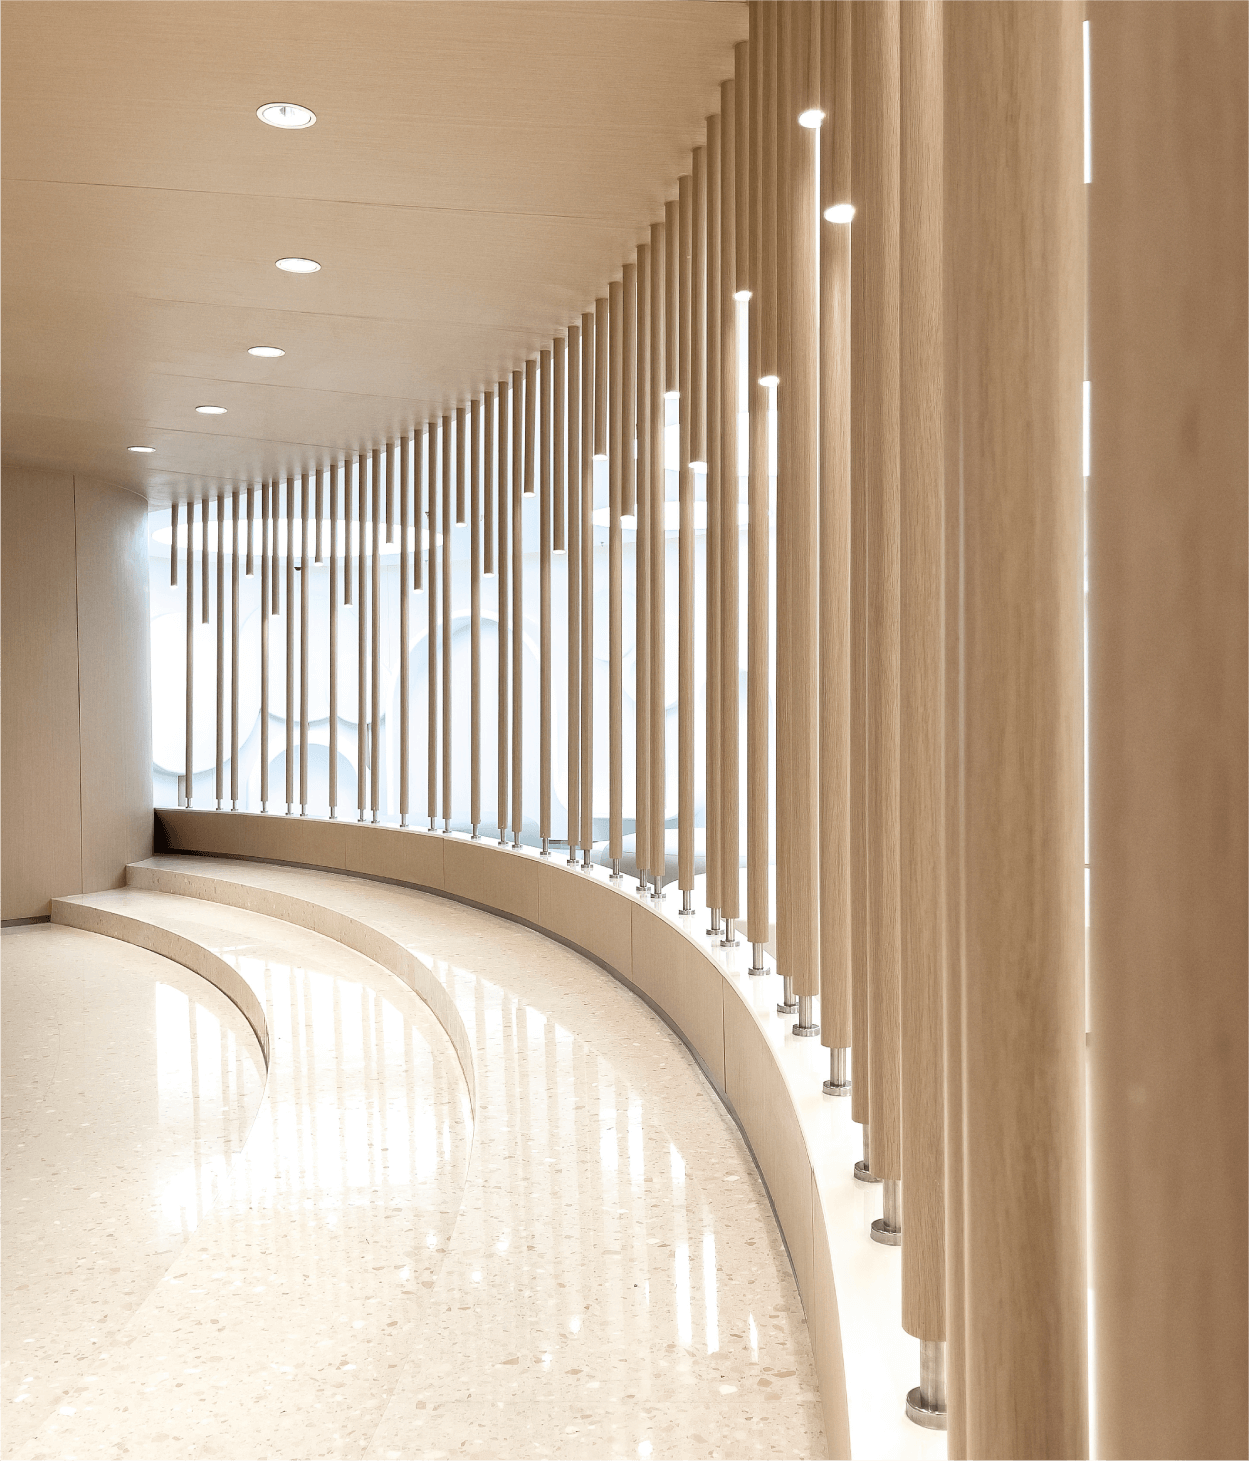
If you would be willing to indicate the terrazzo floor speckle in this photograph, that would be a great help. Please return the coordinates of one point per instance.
(606, 1276)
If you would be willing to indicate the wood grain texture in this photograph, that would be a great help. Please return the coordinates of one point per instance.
(834, 530)
(267, 571)
(188, 763)
(332, 653)
(220, 543)
(502, 608)
(642, 567)
(629, 392)
(685, 547)
(1167, 651)
(714, 550)
(589, 356)
(474, 589)
(573, 535)
(615, 575)
(698, 309)
(730, 585)
(446, 622)
(1014, 79)
(661, 249)
(921, 624)
(517, 645)
(672, 295)
(560, 439)
(798, 617)
(545, 525)
(431, 621)
(769, 19)
(876, 258)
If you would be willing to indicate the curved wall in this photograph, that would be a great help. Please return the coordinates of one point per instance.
(660, 957)
(77, 713)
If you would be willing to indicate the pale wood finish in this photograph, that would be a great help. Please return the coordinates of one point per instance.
(876, 262)
(188, 777)
(474, 571)
(685, 545)
(660, 250)
(698, 309)
(615, 576)
(461, 464)
(642, 567)
(267, 571)
(375, 640)
(446, 620)
(573, 535)
(672, 295)
(431, 621)
(173, 545)
(1013, 159)
(332, 482)
(219, 784)
(798, 619)
(1167, 649)
(921, 550)
(488, 487)
(714, 537)
(318, 514)
(518, 604)
(362, 634)
(629, 392)
(204, 563)
(769, 16)
(503, 602)
(559, 437)
(251, 513)
(405, 591)
(305, 593)
(545, 511)
(589, 354)
(834, 526)
(602, 376)
(731, 222)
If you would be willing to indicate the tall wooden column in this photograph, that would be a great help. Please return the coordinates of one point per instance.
(503, 602)
(660, 274)
(685, 560)
(714, 553)
(1013, 176)
(1167, 724)
(646, 425)
(573, 533)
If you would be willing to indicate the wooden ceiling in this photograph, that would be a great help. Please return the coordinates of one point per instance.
(476, 174)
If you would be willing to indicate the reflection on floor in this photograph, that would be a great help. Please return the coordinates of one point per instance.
(593, 1269)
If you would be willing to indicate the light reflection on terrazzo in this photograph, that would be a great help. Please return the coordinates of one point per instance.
(606, 1278)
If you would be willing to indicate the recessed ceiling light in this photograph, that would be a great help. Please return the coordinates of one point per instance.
(267, 352)
(299, 266)
(811, 118)
(140, 448)
(840, 213)
(285, 114)
(211, 410)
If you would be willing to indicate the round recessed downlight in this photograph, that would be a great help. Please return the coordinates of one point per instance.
(211, 410)
(286, 114)
(840, 213)
(141, 448)
(811, 118)
(299, 266)
(266, 352)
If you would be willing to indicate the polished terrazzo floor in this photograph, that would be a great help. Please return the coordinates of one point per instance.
(591, 1267)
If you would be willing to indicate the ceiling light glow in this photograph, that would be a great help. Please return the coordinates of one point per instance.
(266, 352)
(286, 114)
(840, 213)
(141, 448)
(811, 118)
(211, 410)
(298, 266)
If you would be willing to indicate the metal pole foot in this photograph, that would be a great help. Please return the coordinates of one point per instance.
(687, 901)
(657, 889)
(377, 816)
(729, 941)
(403, 818)
(446, 825)
(838, 1082)
(616, 875)
(476, 837)
(234, 806)
(585, 857)
(756, 960)
(888, 1229)
(862, 1170)
(219, 806)
(502, 836)
(806, 1026)
(546, 847)
(644, 878)
(926, 1404)
(572, 854)
(433, 824)
(516, 844)
(713, 917)
(789, 1000)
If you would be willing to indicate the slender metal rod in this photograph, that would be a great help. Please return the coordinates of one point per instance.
(518, 604)
(446, 621)
(305, 593)
(545, 513)
(333, 647)
(615, 576)
(267, 493)
(221, 648)
(189, 775)
(234, 655)
(574, 589)
(589, 350)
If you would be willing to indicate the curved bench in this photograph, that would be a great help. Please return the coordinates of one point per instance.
(804, 1144)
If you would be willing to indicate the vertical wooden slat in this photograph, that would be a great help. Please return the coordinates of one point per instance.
(204, 563)
(714, 539)
(234, 654)
(731, 219)
(531, 425)
(640, 355)
(221, 648)
(698, 312)
(661, 249)
(834, 511)
(289, 708)
(173, 545)
(1013, 86)
(758, 911)
(588, 429)
(189, 776)
(672, 296)
(487, 462)
(375, 636)
(362, 638)
(920, 804)
(305, 589)
(560, 384)
(251, 501)
(348, 519)
(431, 622)
(544, 603)
(474, 569)
(602, 377)
(419, 518)
(268, 494)
(446, 622)
(573, 532)
(319, 513)
(745, 68)
(461, 464)
(628, 392)
(503, 706)
(685, 562)
(333, 646)
(518, 603)
(768, 344)
(405, 686)
(615, 575)
(877, 257)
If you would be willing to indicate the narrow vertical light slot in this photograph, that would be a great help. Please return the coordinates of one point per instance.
(710, 1297)
(518, 607)
(1088, 114)
(288, 708)
(544, 605)
(589, 351)
(572, 531)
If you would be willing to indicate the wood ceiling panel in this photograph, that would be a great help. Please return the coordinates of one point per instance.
(476, 174)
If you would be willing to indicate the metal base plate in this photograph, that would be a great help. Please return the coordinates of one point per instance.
(861, 1174)
(807, 1031)
(891, 1237)
(831, 1090)
(787, 1009)
(931, 1420)
(729, 943)
(754, 973)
